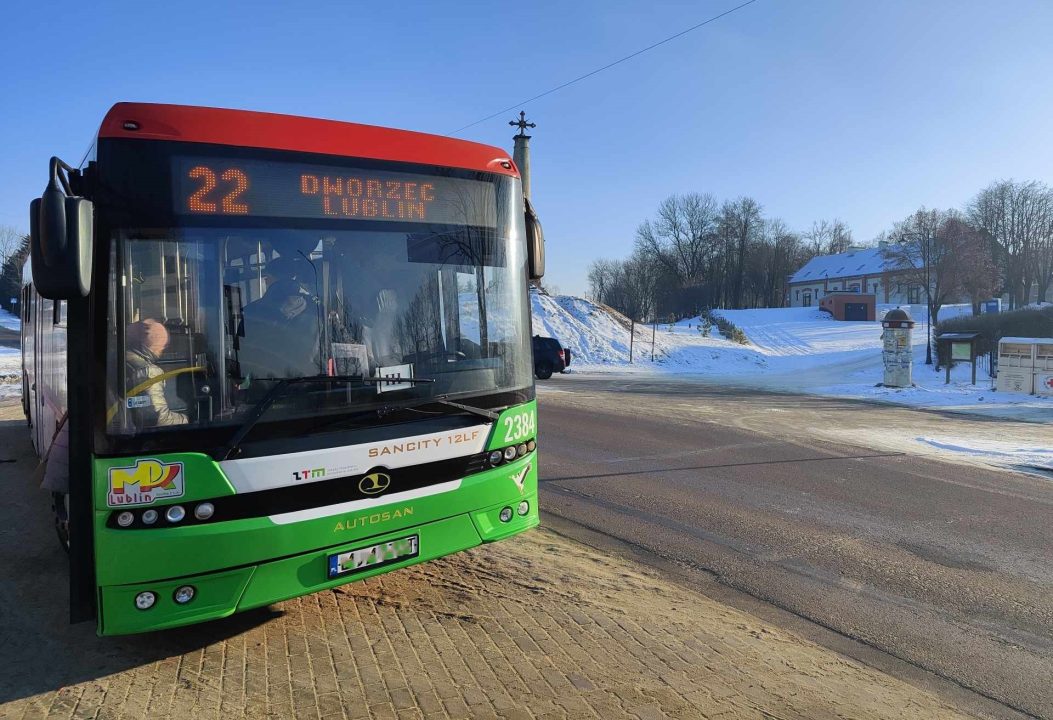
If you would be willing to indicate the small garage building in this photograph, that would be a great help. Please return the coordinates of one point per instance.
(850, 306)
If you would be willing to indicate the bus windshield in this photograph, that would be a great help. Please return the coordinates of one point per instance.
(204, 320)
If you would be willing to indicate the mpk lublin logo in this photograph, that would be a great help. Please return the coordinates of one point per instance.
(144, 482)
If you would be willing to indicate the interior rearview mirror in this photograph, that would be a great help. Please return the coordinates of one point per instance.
(61, 241)
(535, 243)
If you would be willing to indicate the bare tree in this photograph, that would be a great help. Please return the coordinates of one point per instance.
(828, 237)
(681, 237)
(10, 241)
(1042, 256)
(781, 254)
(602, 276)
(742, 222)
(11, 271)
(925, 258)
(818, 237)
(1015, 216)
(976, 274)
(840, 237)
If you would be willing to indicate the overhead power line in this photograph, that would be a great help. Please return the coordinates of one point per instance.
(605, 67)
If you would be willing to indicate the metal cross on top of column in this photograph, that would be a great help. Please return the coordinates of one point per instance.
(522, 124)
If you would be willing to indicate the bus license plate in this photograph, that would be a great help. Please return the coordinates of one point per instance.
(367, 558)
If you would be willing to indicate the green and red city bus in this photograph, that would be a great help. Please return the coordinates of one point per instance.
(284, 354)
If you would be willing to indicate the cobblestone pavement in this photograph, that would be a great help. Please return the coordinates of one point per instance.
(534, 627)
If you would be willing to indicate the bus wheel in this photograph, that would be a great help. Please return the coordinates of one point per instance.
(543, 371)
(60, 506)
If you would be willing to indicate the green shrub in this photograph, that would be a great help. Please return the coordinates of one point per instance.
(1029, 322)
(728, 329)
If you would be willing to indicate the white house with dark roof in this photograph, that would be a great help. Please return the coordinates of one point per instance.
(861, 270)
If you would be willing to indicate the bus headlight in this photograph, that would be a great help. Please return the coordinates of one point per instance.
(175, 513)
(496, 457)
(521, 449)
(506, 514)
(125, 519)
(524, 507)
(531, 446)
(204, 510)
(510, 453)
(149, 517)
(184, 594)
(145, 600)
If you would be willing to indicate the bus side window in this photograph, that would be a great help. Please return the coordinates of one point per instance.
(46, 310)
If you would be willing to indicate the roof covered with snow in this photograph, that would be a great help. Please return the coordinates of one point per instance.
(854, 263)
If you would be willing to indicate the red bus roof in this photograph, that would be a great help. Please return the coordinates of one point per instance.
(246, 128)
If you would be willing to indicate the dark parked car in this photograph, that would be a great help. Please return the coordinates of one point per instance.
(549, 357)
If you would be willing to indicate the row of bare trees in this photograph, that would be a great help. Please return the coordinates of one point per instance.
(14, 249)
(698, 252)
(1017, 217)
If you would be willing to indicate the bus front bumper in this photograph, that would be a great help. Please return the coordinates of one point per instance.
(223, 593)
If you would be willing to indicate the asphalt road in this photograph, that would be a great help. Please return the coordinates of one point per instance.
(945, 570)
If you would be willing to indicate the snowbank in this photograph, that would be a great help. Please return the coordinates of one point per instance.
(996, 452)
(10, 372)
(9, 321)
(595, 335)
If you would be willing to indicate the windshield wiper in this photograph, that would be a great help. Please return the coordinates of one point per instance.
(439, 400)
(442, 400)
(281, 385)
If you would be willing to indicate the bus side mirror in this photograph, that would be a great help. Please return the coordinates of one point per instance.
(61, 243)
(535, 244)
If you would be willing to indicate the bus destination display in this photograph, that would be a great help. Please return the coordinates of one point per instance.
(230, 188)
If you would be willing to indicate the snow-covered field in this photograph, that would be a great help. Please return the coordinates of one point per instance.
(10, 373)
(9, 321)
(10, 360)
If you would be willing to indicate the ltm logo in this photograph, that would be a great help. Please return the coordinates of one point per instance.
(308, 474)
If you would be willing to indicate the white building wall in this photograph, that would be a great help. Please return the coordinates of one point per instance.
(808, 294)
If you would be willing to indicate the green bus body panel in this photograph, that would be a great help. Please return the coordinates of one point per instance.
(132, 556)
(516, 425)
(223, 593)
(240, 564)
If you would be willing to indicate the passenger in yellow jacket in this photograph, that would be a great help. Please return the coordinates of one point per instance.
(146, 340)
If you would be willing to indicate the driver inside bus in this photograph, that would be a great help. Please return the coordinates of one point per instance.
(377, 304)
(146, 340)
(280, 331)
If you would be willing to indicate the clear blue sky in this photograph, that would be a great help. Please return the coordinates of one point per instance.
(817, 108)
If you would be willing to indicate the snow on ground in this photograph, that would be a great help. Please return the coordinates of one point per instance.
(810, 352)
(791, 349)
(9, 321)
(10, 372)
(999, 452)
(595, 335)
(805, 350)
